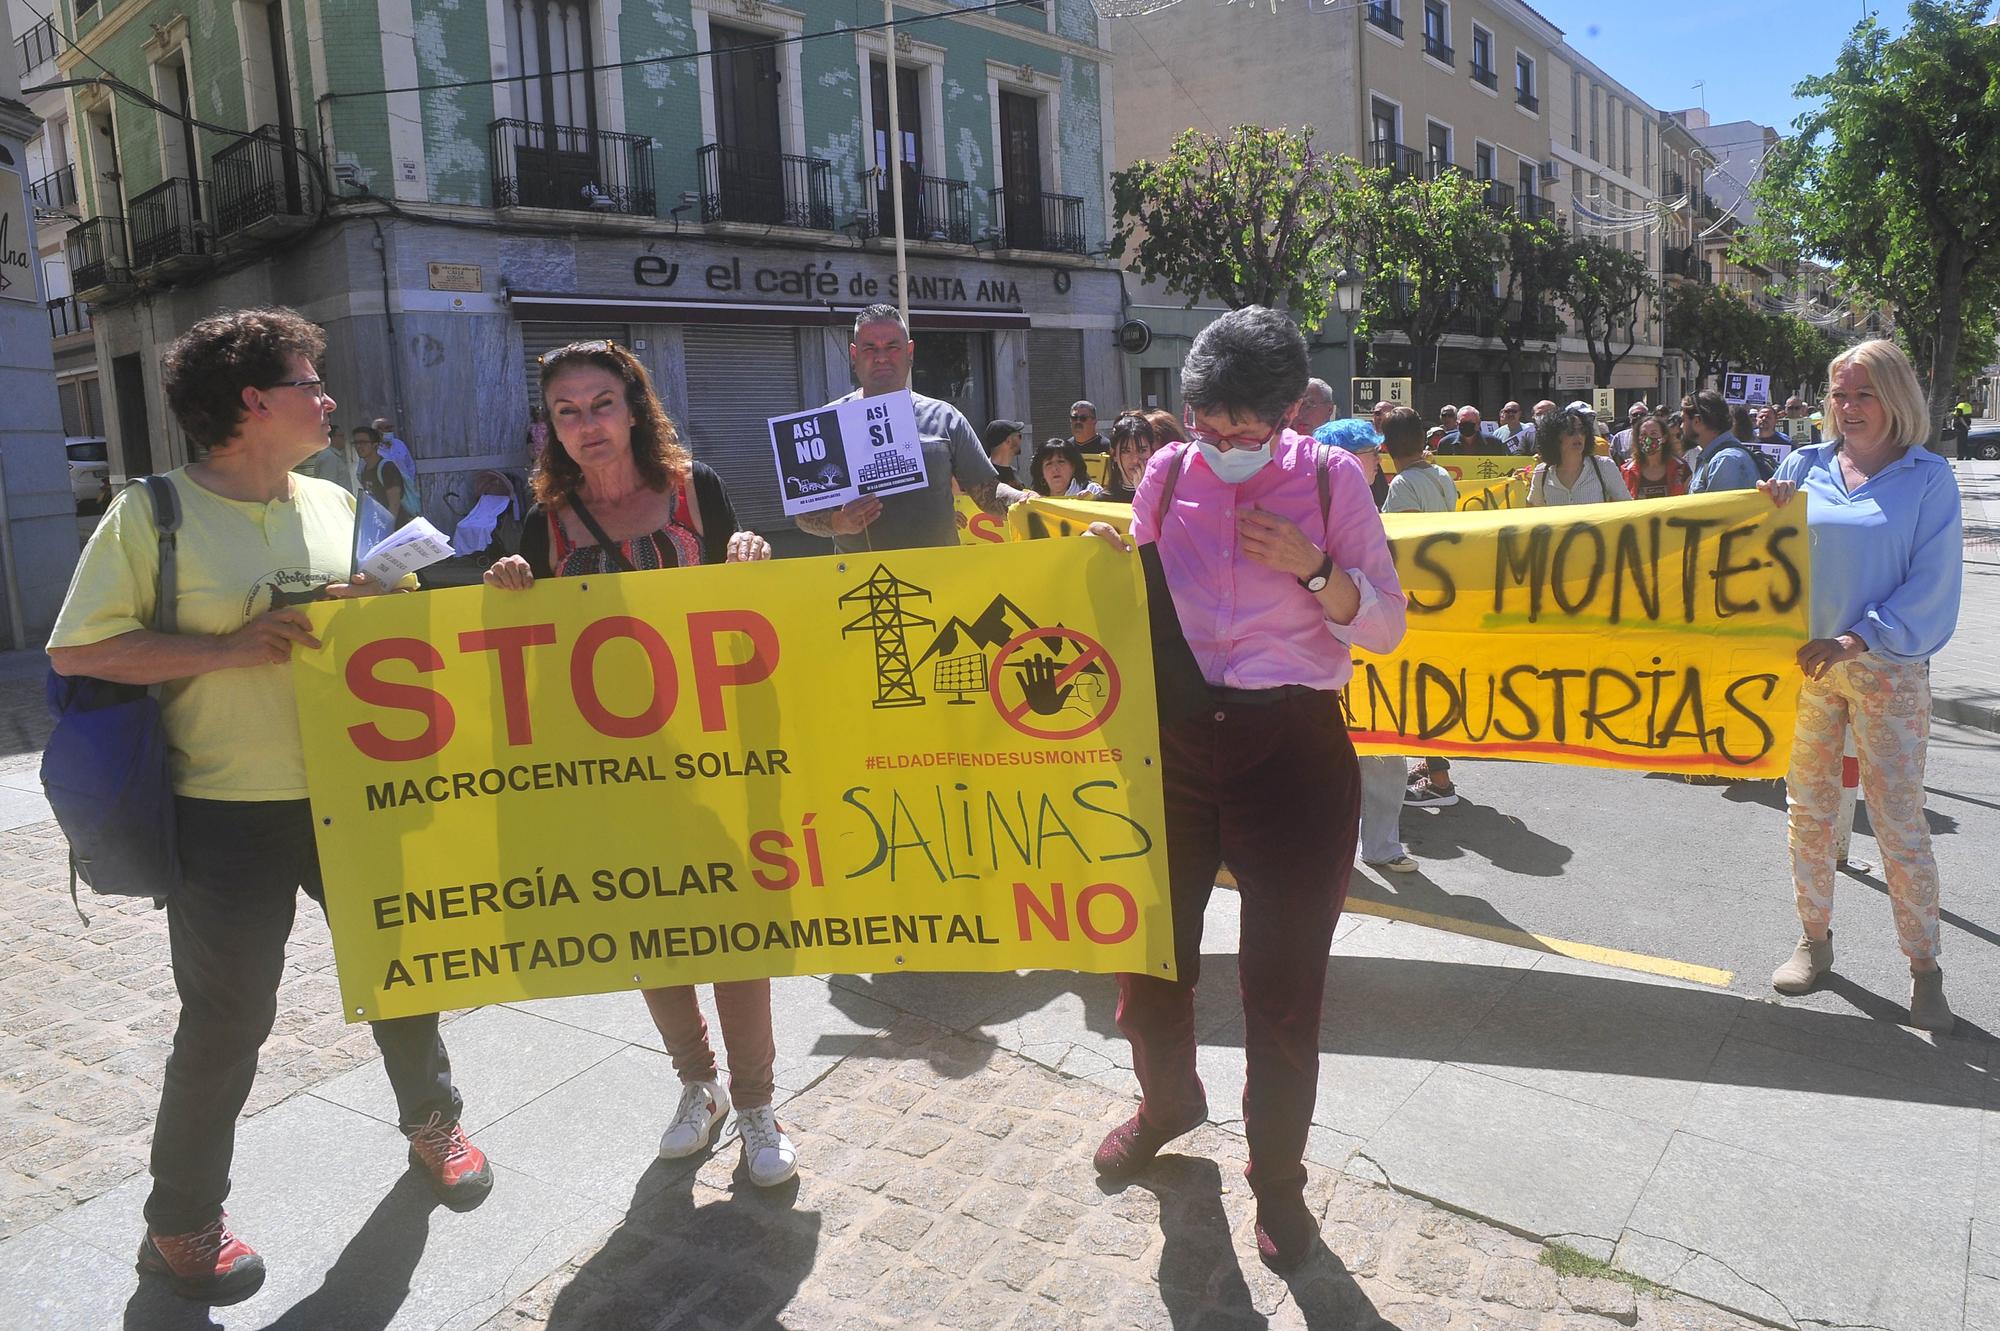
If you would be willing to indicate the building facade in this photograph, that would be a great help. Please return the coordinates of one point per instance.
(38, 532)
(451, 191)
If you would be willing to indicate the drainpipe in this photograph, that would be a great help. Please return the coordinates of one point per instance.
(389, 328)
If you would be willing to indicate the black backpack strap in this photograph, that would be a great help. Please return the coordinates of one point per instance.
(1161, 509)
(167, 521)
(1322, 454)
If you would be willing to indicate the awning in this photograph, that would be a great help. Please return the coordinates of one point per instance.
(546, 306)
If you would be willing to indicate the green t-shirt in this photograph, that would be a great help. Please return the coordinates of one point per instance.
(233, 734)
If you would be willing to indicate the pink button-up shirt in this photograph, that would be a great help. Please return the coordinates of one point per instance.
(1253, 627)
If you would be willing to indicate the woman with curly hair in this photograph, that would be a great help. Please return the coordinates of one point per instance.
(617, 491)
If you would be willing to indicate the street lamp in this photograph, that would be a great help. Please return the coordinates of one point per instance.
(1347, 299)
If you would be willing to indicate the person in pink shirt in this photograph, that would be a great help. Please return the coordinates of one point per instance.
(1265, 566)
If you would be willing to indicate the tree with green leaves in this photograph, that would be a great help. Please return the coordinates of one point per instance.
(1262, 217)
(1713, 325)
(1604, 287)
(1520, 305)
(1425, 247)
(1794, 352)
(1893, 180)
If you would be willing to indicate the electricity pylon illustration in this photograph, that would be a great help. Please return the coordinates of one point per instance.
(886, 619)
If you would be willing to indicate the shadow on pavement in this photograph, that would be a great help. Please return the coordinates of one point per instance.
(1950, 917)
(367, 1283)
(736, 1261)
(1501, 839)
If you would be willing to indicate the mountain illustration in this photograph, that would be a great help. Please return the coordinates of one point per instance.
(997, 625)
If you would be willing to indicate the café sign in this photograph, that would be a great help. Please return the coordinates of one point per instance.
(816, 279)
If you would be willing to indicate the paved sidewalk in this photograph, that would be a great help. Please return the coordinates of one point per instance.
(1965, 677)
(945, 1124)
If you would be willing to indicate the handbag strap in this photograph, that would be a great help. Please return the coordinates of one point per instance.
(167, 521)
(1320, 466)
(609, 546)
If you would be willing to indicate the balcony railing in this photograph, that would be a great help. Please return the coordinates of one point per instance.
(1541, 323)
(1672, 184)
(935, 208)
(258, 181)
(1499, 196)
(1522, 97)
(54, 193)
(1050, 223)
(97, 253)
(1380, 15)
(165, 222)
(776, 189)
(537, 165)
(1709, 209)
(1435, 48)
(1403, 163)
(68, 315)
(1535, 208)
(38, 45)
(1485, 77)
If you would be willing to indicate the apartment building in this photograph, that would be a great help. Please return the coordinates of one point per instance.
(1482, 86)
(38, 533)
(452, 190)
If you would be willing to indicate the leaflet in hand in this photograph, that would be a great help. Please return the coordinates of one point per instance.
(836, 453)
(414, 545)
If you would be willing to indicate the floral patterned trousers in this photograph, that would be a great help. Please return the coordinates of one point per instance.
(1888, 704)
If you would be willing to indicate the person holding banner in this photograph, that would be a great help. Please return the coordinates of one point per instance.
(255, 542)
(1570, 470)
(1057, 470)
(881, 353)
(616, 492)
(1888, 551)
(1266, 565)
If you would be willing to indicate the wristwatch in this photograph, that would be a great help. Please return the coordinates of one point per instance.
(1317, 582)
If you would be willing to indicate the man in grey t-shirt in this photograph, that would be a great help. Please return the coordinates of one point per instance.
(881, 353)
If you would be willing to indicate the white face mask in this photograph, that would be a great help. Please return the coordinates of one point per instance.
(1239, 464)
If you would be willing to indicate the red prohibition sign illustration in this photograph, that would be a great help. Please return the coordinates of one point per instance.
(1090, 652)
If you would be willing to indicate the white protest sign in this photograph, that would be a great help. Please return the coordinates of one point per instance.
(837, 453)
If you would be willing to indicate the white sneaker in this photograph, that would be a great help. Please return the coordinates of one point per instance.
(703, 1105)
(767, 1152)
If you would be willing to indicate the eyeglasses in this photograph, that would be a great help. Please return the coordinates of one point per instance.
(317, 387)
(1081, 416)
(1197, 435)
(596, 346)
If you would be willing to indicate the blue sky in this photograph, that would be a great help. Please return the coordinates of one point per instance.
(1751, 54)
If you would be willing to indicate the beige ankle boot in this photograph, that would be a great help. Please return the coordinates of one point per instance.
(1809, 961)
(1928, 1010)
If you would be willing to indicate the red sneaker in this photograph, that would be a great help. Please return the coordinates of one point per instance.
(208, 1265)
(458, 1170)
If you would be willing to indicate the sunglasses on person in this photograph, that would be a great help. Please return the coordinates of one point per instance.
(596, 346)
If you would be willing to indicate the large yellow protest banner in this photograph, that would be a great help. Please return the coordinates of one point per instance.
(1658, 636)
(864, 763)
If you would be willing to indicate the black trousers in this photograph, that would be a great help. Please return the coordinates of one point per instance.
(242, 864)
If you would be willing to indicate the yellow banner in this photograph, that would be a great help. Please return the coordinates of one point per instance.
(976, 526)
(862, 764)
(1657, 636)
(1479, 496)
(1471, 466)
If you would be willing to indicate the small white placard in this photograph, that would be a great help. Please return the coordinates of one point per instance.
(414, 545)
(838, 453)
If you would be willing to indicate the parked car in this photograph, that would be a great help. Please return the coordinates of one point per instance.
(1981, 444)
(89, 471)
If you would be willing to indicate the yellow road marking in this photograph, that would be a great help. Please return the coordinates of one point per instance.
(1500, 933)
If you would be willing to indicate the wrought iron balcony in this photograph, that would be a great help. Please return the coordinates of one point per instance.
(1403, 163)
(1051, 223)
(55, 193)
(68, 315)
(166, 224)
(936, 209)
(259, 187)
(777, 189)
(1678, 260)
(1499, 196)
(1435, 48)
(98, 257)
(1522, 97)
(536, 165)
(1672, 184)
(37, 46)
(1486, 77)
(1381, 15)
(1535, 208)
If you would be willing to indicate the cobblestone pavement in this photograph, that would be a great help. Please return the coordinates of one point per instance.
(949, 1185)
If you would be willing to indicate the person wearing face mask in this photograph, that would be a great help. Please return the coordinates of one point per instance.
(1266, 566)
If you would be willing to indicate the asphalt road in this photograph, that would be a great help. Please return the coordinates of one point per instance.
(1653, 865)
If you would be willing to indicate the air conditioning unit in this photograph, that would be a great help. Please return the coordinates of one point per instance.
(1551, 170)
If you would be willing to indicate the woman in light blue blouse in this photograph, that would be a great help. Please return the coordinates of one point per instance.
(1887, 551)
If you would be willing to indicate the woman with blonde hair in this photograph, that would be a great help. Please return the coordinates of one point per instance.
(1887, 550)
(617, 492)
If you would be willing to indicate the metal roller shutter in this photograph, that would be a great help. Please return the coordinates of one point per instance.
(737, 378)
(1055, 380)
(539, 338)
